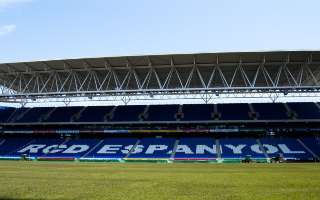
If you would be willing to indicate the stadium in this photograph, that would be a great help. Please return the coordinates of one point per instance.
(241, 107)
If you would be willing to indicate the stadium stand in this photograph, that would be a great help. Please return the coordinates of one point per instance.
(289, 148)
(95, 114)
(162, 113)
(189, 112)
(305, 110)
(127, 113)
(240, 148)
(61, 114)
(313, 144)
(195, 148)
(270, 111)
(112, 148)
(233, 111)
(153, 148)
(202, 112)
(177, 131)
(5, 113)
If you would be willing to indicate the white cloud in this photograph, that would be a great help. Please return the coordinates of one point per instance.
(6, 3)
(6, 29)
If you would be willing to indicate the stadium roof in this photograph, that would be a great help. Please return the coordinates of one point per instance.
(238, 72)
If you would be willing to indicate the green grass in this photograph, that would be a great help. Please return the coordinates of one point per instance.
(70, 180)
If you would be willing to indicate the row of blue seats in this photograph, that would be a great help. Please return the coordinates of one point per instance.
(306, 148)
(194, 112)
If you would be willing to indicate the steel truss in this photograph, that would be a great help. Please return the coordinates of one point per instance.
(85, 78)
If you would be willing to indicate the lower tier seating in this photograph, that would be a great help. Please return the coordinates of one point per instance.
(185, 148)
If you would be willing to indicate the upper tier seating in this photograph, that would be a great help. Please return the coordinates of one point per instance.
(270, 111)
(128, 113)
(233, 111)
(305, 110)
(197, 112)
(5, 113)
(34, 114)
(95, 113)
(63, 114)
(162, 113)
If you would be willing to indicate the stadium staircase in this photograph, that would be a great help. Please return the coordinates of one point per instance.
(219, 158)
(176, 143)
(263, 149)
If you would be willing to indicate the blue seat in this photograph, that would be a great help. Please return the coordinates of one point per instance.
(36, 147)
(128, 113)
(63, 114)
(162, 112)
(77, 148)
(290, 148)
(196, 148)
(95, 113)
(34, 114)
(313, 143)
(5, 113)
(197, 112)
(234, 111)
(239, 148)
(154, 148)
(305, 110)
(10, 146)
(112, 148)
(270, 111)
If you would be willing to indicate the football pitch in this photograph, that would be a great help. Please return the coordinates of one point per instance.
(37, 180)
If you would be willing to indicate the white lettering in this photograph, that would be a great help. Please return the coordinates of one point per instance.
(137, 149)
(54, 148)
(236, 149)
(158, 147)
(77, 148)
(110, 149)
(183, 149)
(33, 148)
(201, 149)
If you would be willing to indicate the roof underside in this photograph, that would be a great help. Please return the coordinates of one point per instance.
(207, 72)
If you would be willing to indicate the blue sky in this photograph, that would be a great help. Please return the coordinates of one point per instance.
(52, 29)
